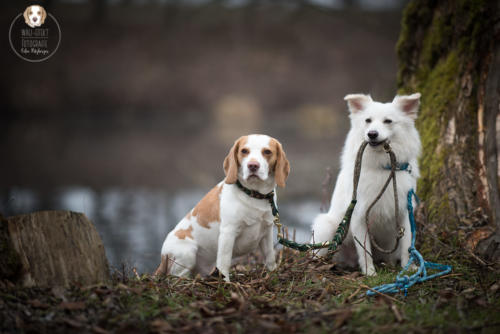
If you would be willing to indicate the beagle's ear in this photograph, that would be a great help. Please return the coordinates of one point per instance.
(408, 104)
(282, 167)
(25, 14)
(231, 164)
(357, 102)
(44, 15)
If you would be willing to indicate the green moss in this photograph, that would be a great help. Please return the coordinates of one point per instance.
(415, 15)
(439, 91)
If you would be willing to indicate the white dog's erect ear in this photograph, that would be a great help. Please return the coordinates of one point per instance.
(357, 102)
(408, 104)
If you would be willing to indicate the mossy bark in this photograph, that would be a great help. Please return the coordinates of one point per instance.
(445, 51)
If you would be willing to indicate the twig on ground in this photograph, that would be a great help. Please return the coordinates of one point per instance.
(382, 294)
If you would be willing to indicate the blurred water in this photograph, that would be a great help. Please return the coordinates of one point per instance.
(134, 222)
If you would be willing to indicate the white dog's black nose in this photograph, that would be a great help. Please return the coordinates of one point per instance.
(373, 134)
(35, 19)
(253, 166)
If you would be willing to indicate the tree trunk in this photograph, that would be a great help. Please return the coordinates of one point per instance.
(51, 248)
(448, 51)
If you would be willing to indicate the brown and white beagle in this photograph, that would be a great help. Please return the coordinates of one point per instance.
(34, 16)
(228, 222)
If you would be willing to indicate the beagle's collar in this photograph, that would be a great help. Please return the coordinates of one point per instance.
(255, 193)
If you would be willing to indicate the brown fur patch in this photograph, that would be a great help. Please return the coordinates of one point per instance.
(278, 162)
(233, 160)
(165, 265)
(208, 209)
(182, 234)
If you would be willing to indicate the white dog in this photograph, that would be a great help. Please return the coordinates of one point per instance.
(34, 16)
(230, 220)
(376, 123)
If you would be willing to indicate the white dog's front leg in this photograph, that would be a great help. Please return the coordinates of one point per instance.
(267, 249)
(225, 252)
(359, 232)
(405, 243)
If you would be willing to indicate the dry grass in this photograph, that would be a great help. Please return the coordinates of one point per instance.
(303, 295)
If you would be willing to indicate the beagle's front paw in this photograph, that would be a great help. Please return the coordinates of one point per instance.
(217, 274)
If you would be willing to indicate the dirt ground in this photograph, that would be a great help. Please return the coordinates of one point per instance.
(302, 295)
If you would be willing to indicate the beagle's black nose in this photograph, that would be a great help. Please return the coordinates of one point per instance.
(253, 166)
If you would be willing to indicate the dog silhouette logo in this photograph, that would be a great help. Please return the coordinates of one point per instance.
(35, 16)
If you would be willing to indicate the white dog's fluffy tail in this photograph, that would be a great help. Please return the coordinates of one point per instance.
(324, 227)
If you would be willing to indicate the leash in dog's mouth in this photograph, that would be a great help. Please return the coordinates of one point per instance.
(377, 143)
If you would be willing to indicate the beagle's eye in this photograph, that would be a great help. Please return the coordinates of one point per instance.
(244, 151)
(30, 12)
(38, 12)
(368, 120)
(267, 152)
(387, 121)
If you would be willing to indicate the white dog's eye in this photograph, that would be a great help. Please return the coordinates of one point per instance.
(368, 120)
(387, 121)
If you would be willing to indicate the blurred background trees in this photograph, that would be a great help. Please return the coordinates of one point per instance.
(142, 93)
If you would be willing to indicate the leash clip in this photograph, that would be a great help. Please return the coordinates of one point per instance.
(276, 222)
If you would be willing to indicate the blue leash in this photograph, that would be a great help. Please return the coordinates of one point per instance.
(404, 282)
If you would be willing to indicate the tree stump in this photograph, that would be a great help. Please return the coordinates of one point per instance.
(51, 248)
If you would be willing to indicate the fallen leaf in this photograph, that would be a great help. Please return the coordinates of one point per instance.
(206, 311)
(478, 235)
(268, 325)
(446, 294)
(99, 330)
(160, 326)
(333, 312)
(237, 301)
(342, 318)
(35, 303)
(72, 306)
(72, 323)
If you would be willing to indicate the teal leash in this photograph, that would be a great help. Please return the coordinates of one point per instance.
(404, 282)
